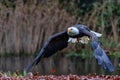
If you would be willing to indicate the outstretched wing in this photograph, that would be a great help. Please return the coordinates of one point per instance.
(101, 56)
(55, 43)
(99, 53)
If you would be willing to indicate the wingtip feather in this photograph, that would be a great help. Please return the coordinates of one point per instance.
(101, 57)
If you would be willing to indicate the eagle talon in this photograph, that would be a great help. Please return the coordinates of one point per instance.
(78, 40)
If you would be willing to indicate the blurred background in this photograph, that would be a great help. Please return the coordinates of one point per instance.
(26, 24)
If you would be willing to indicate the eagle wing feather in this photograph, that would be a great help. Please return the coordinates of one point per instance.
(55, 43)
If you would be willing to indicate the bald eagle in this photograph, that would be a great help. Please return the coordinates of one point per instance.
(73, 34)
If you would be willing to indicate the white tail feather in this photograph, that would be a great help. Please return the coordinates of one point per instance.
(97, 34)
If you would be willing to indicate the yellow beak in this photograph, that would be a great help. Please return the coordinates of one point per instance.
(69, 30)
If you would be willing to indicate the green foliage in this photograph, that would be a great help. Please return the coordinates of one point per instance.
(84, 53)
(107, 43)
(8, 3)
(105, 11)
(24, 73)
(116, 11)
(6, 6)
(107, 14)
(77, 7)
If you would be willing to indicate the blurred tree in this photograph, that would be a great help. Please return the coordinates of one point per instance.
(77, 7)
(26, 21)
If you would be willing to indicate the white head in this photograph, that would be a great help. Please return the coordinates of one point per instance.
(72, 31)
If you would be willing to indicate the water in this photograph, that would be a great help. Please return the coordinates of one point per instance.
(58, 65)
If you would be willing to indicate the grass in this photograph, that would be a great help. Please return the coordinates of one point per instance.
(15, 74)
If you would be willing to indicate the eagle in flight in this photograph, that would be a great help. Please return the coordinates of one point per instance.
(73, 34)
